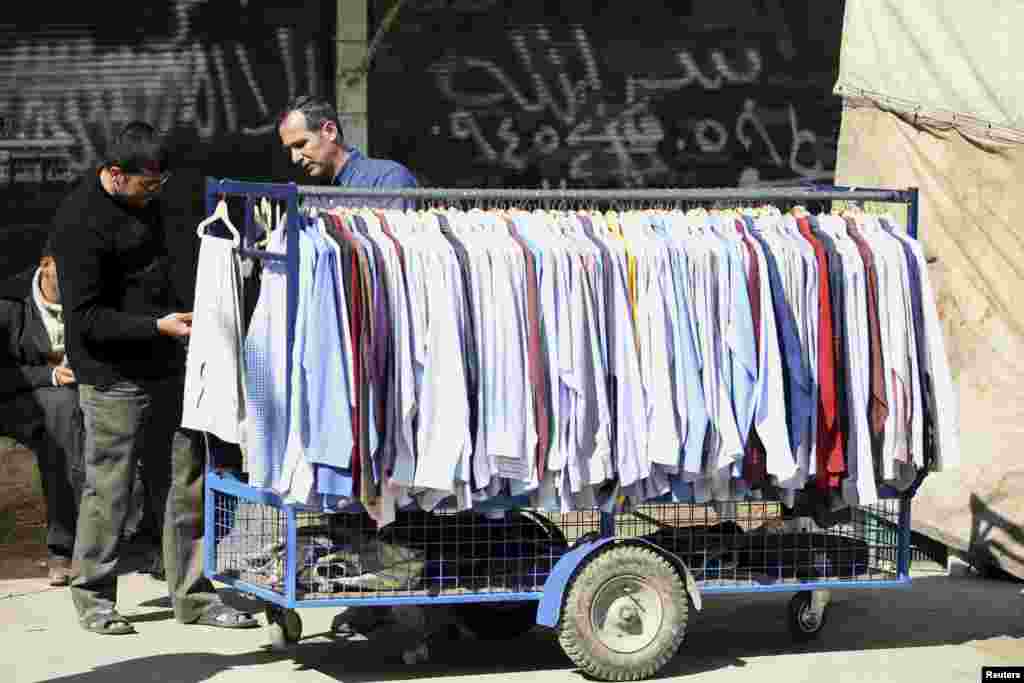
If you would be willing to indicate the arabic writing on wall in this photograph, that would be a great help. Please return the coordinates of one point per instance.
(73, 94)
(599, 134)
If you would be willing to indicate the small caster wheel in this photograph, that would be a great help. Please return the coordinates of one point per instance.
(625, 615)
(284, 627)
(806, 619)
(417, 655)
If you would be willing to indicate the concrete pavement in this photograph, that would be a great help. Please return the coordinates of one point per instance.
(939, 629)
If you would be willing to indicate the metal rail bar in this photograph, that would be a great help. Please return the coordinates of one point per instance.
(674, 195)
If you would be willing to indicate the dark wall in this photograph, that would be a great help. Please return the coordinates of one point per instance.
(211, 74)
(609, 94)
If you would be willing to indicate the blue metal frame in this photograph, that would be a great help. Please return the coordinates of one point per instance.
(913, 211)
(550, 600)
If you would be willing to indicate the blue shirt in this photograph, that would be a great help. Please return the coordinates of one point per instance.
(687, 366)
(330, 424)
(740, 368)
(361, 171)
(797, 382)
(294, 461)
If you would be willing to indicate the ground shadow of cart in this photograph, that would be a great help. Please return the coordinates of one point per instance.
(734, 631)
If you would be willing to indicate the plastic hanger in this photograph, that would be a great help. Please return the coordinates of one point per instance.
(264, 218)
(220, 213)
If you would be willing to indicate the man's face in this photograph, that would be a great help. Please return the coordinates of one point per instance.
(137, 189)
(48, 279)
(315, 150)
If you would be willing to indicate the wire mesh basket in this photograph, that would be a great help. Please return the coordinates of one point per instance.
(344, 555)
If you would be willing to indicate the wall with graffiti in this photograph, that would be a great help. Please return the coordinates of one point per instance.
(211, 75)
(616, 94)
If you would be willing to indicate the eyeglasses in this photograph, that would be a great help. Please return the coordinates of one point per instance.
(150, 182)
(162, 178)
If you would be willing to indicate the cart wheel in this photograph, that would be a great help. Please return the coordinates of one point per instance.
(284, 626)
(498, 620)
(805, 622)
(625, 616)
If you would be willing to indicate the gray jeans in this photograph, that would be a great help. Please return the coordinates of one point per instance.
(126, 423)
(48, 421)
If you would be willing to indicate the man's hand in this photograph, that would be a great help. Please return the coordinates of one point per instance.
(175, 325)
(63, 376)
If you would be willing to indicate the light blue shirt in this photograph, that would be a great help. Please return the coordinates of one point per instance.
(331, 436)
(686, 365)
(296, 475)
(740, 368)
(266, 375)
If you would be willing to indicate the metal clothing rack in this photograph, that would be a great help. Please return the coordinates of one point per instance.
(547, 567)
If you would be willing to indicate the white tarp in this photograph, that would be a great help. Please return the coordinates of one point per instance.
(950, 56)
(927, 57)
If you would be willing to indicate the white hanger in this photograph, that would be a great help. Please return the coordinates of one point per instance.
(220, 213)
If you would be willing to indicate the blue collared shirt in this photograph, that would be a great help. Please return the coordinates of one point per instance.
(361, 171)
(331, 436)
(797, 380)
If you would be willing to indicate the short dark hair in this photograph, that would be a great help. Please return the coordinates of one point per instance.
(49, 247)
(317, 111)
(137, 149)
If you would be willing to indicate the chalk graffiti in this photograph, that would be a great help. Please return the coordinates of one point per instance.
(565, 107)
(78, 93)
(559, 109)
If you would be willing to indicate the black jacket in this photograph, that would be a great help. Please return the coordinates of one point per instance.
(117, 278)
(25, 353)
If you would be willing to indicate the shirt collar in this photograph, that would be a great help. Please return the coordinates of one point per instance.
(354, 155)
(44, 306)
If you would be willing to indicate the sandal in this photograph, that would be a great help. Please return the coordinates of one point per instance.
(225, 616)
(108, 622)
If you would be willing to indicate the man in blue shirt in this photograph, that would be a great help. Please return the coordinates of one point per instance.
(311, 133)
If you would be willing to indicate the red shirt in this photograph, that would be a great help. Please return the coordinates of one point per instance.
(356, 333)
(755, 466)
(831, 459)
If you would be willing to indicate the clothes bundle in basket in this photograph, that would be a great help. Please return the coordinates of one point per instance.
(347, 554)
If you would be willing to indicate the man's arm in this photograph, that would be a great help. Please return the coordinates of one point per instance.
(16, 376)
(80, 270)
(397, 178)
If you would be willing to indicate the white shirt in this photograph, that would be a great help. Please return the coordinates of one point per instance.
(631, 443)
(443, 437)
(214, 397)
(944, 408)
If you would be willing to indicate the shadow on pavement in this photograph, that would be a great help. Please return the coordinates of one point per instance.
(164, 602)
(935, 611)
(183, 667)
(233, 598)
(986, 551)
(149, 617)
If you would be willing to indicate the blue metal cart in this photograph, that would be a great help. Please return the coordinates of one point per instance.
(620, 589)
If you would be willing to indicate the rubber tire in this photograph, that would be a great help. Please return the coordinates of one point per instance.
(284, 627)
(797, 604)
(498, 621)
(575, 630)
